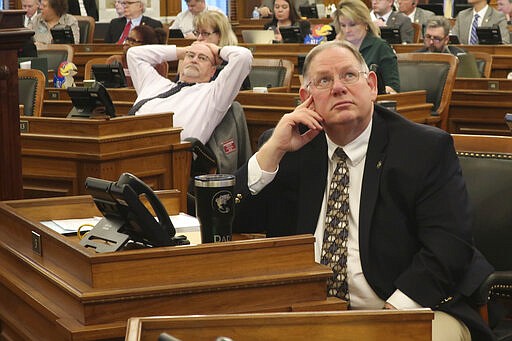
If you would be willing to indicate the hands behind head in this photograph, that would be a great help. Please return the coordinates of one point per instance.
(212, 48)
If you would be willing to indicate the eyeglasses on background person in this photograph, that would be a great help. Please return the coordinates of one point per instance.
(203, 33)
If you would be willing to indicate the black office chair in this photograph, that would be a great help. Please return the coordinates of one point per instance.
(228, 148)
(86, 25)
(486, 163)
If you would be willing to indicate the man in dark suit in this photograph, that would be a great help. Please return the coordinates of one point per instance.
(437, 37)
(407, 234)
(90, 7)
(133, 16)
(383, 15)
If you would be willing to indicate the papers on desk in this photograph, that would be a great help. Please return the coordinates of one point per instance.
(182, 223)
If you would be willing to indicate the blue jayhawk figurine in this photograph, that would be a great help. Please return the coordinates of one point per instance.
(64, 76)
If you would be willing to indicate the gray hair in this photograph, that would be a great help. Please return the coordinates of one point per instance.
(439, 21)
(331, 45)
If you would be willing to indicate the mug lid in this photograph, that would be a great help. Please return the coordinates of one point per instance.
(214, 180)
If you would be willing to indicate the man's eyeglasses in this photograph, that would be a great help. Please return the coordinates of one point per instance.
(127, 3)
(204, 34)
(433, 38)
(202, 57)
(327, 82)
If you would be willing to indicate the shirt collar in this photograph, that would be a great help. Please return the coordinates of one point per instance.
(136, 21)
(355, 150)
(481, 13)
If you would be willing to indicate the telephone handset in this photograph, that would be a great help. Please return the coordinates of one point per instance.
(126, 217)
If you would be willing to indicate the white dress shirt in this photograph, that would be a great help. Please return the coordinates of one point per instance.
(362, 296)
(198, 109)
(185, 20)
(481, 14)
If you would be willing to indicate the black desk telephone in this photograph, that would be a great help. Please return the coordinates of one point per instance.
(126, 218)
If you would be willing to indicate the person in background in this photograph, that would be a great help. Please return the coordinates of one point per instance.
(119, 28)
(201, 103)
(437, 37)
(352, 20)
(141, 35)
(383, 196)
(119, 7)
(84, 8)
(185, 20)
(487, 17)
(32, 8)
(416, 14)
(383, 15)
(53, 14)
(285, 14)
(214, 27)
(505, 7)
(266, 5)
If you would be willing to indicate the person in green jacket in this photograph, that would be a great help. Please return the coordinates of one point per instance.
(353, 23)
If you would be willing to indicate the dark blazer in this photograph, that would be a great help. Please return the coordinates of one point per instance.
(90, 8)
(414, 226)
(401, 21)
(116, 27)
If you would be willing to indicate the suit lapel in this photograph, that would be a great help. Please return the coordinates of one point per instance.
(375, 158)
(487, 17)
(313, 172)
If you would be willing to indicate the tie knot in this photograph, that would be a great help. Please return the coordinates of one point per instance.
(477, 16)
(339, 153)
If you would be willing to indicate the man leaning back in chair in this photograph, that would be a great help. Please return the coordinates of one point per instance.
(198, 103)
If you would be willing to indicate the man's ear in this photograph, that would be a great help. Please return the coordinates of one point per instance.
(372, 82)
(304, 94)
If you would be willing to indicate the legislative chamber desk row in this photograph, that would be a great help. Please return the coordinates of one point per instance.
(52, 288)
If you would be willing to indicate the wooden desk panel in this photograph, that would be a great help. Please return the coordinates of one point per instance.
(58, 154)
(326, 326)
(71, 293)
(479, 112)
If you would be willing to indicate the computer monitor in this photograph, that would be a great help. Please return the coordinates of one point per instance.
(453, 39)
(488, 35)
(460, 7)
(62, 35)
(309, 11)
(93, 101)
(291, 34)
(110, 75)
(391, 35)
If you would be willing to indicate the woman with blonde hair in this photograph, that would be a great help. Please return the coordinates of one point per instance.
(353, 23)
(214, 27)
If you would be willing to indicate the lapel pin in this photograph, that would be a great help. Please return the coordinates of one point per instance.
(379, 164)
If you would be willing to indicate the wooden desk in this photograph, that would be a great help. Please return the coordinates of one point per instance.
(263, 111)
(326, 326)
(69, 292)
(58, 154)
(117, 94)
(478, 106)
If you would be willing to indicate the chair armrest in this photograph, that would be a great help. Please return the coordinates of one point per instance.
(499, 283)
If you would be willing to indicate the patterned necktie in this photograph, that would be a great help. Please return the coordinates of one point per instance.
(125, 33)
(168, 93)
(334, 248)
(473, 40)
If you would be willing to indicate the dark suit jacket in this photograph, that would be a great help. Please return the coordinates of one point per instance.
(90, 7)
(414, 225)
(401, 21)
(116, 27)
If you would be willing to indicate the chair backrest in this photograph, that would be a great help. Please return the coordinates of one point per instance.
(86, 26)
(433, 72)
(31, 84)
(56, 54)
(417, 32)
(271, 73)
(230, 141)
(486, 163)
(88, 66)
(483, 63)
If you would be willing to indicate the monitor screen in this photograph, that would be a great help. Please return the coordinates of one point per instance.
(62, 35)
(90, 102)
(175, 33)
(391, 35)
(110, 75)
(309, 11)
(436, 8)
(291, 34)
(488, 35)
